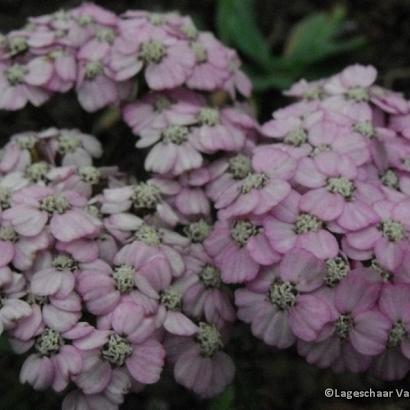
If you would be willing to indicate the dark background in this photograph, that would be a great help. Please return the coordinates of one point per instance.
(371, 32)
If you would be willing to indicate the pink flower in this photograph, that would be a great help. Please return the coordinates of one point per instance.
(18, 153)
(34, 207)
(238, 81)
(12, 308)
(167, 61)
(174, 151)
(279, 304)
(262, 189)
(60, 314)
(352, 83)
(22, 83)
(142, 114)
(56, 280)
(64, 72)
(393, 364)
(335, 196)
(387, 237)
(221, 129)
(200, 364)
(158, 250)
(356, 330)
(290, 227)
(186, 194)
(239, 249)
(19, 250)
(73, 147)
(54, 360)
(143, 197)
(226, 173)
(207, 297)
(212, 65)
(95, 88)
(127, 346)
(103, 288)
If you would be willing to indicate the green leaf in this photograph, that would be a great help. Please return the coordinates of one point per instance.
(4, 345)
(315, 38)
(237, 26)
(224, 401)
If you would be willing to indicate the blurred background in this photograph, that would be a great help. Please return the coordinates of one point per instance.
(279, 41)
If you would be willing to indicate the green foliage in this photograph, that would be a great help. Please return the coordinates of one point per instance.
(224, 401)
(313, 40)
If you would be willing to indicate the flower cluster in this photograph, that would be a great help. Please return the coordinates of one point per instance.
(105, 58)
(314, 224)
(95, 287)
(299, 227)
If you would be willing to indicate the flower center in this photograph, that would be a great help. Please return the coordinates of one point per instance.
(397, 333)
(209, 339)
(48, 343)
(392, 230)
(145, 196)
(210, 277)
(357, 94)
(175, 134)
(15, 74)
(340, 185)
(208, 116)
(32, 299)
(152, 52)
(171, 299)
(254, 181)
(4, 198)
(157, 19)
(27, 142)
(90, 175)
(283, 294)
(149, 235)
(197, 232)
(239, 166)
(336, 269)
(307, 223)
(343, 326)
(314, 93)
(93, 69)
(94, 211)
(296, 137)
(384, 274)
(8, 234)
(390, 179)
(242, 231)
(65, 262)
(320, 148)
(116, 350)
(162, 103)
(17, 45)
(37, 172)
(84, 20)
(365, 128)
(68, 144)
(124, 278)
(105, 35)
(55, 204)
(190, 31)
(200, 52)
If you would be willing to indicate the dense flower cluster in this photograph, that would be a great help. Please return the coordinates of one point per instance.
(299, 227)
(317, 230)
(105, 58)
